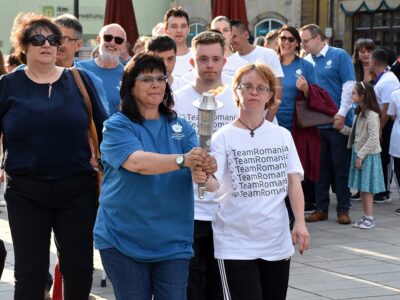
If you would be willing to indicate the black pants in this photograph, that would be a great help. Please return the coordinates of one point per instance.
(3, 255)
(397, 168)
(335, 160)
(385, 156)
(204, 280)
(254, 279)
(37, 206)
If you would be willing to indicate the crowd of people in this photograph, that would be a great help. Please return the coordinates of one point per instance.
(267, 173)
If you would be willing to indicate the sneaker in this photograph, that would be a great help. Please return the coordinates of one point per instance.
(317, 216)
(309, 208)
(355, 197)
(343, 218)
(367, 224)
(356, 224)
(397, 211)
(382, 198)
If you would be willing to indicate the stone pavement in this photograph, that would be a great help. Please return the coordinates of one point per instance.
(343, 262)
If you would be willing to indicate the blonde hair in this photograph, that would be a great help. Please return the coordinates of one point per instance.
(265, 73)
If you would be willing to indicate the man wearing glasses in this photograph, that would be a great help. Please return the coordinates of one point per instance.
(107, 65)
(71, 30)
(335, 74)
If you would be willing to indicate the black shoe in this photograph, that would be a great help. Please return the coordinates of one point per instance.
(309, 207)
(382, 197)
(355, 197)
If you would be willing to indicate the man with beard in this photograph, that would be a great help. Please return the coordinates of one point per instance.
(71, 30)
(107, 65)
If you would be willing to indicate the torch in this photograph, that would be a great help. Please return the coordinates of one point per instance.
(207, 107)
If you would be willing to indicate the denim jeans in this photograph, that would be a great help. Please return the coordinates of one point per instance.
(132, 279)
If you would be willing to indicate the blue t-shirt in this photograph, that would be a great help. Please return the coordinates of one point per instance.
(111, 79)
(333, 70)
(286, 109)
(146, 217)
(45, 127)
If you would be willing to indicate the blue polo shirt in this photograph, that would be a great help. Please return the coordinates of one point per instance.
(111, 79)
(146, 217)
(286, 109)
(334, 69)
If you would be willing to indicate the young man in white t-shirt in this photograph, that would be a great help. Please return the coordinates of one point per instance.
(208, 61)
(256, 54)
(385, 84)
(233, 62)
(176, 22)
(165, 47)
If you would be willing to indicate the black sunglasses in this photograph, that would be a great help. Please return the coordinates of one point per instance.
(40, 40)
(289, 39)
(108, 38)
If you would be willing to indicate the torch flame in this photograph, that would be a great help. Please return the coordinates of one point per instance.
(216, 91)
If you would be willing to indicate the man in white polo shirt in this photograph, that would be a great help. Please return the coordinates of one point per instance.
(208, 62)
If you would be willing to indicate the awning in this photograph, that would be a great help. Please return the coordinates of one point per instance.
(230, 9)
(121, 12)
(371, 6)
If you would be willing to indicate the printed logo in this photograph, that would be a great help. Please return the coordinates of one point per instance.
(177, 129)
(328, 64)
(298, 72)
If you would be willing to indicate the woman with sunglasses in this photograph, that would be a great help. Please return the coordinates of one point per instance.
(298, 74)
(144, 226)
(258, 167)
(50, 183)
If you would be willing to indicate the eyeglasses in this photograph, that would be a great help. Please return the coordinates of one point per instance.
(248, 88)
(150, 79)
(40, 40)
(285, 38)
(108, 38)
(306, 41)
(67, 38)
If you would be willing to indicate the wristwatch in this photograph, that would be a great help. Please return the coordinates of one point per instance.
(180, 161)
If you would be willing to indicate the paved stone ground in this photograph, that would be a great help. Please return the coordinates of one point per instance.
(343, 262)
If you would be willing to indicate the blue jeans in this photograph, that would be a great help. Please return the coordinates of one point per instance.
(335, 160)
(132, 279)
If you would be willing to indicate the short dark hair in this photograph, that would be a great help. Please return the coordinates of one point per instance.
(140, 63)
(24, 26)
(70, 21)
(380, 57)
(160, 43)
(209, 37)
(315, 30)
(12, 60)
(175, 12)
(239, 25)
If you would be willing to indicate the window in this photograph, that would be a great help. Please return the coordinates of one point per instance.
(381, 26)
(266, 25)
(194, 29)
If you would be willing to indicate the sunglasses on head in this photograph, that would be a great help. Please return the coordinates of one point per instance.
(108, 38)
(289, 39)
(40, 40)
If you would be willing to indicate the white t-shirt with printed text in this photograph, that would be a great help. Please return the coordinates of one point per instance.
(266, 56)
(394, 110)
(251, 220)
(204, 208)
